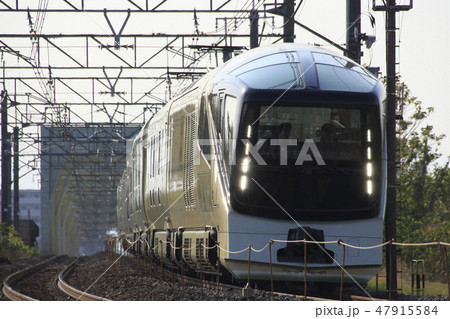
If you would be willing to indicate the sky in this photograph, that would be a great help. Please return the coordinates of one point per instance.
(424, 61)
(423, 38)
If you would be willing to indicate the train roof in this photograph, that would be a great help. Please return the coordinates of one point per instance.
(294, 66)
(266, 50)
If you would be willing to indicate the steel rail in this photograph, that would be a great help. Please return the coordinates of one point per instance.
(14, 278)
(72, 291)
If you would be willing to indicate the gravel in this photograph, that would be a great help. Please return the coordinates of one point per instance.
(128, 280)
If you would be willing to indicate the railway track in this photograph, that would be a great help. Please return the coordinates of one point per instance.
(31, 284)
(72, 291)
(13, 283)
(140, 278)
(132, 278)
(214, 285)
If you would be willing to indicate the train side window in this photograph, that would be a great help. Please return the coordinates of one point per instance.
(159, 153)
(221, 111)
(203, 129)
(230, 108)
(149, 157)
(137, 161)
(133, 170)
(153, 155)
(214, 102)
(140, 163)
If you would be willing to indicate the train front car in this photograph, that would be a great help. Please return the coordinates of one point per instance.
(308, 163)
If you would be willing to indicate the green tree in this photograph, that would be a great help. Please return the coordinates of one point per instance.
(423, 186)
(12, 246)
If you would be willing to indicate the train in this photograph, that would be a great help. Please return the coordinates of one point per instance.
(281, 150)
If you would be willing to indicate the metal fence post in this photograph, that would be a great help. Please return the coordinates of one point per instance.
(305, 284)
(271, 274)
(341, 292)
(444, 249)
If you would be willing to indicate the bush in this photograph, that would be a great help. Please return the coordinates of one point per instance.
(12, 246)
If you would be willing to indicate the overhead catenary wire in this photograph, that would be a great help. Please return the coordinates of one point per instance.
(40, 18)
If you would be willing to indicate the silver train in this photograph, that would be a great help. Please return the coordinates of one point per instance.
(282, 143)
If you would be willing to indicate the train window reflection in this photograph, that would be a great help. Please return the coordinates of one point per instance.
(324, 58)
(271, 59)
(203, 129)
(228, 129)
(335, 78)
(316, 159)
(335, 131)
(280, 76)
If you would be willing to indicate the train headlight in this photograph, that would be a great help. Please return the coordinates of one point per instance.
(369, 153)
(369, 187)
(245, 164)
(249, 131)
(369, 169)
(247, 148)
(243, 182)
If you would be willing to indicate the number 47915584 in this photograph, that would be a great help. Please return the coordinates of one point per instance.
(407, 310)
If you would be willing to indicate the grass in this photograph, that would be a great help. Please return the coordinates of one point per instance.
(431, 288)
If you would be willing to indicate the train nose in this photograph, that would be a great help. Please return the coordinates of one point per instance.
(296, 248)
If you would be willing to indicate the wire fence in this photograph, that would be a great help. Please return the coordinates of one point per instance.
(111, 246)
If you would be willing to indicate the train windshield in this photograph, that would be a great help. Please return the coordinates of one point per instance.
(310, 161)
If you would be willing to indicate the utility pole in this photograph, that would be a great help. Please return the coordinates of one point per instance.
(16, 177)
(288, 20)
(254, 33)
(391, 8)
(286, 10)
(391, 213)
(6, 162)
(353, 44)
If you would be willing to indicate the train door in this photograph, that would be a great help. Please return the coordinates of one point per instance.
(205, 158)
